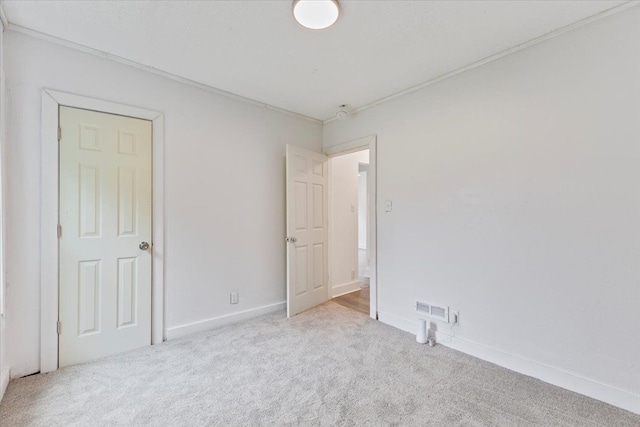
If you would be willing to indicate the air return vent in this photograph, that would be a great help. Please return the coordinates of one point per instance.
(436, 312)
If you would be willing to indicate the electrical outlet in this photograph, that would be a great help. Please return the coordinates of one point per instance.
(233, 298)
(453, 317)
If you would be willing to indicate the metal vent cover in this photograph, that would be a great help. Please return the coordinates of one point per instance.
(433, 311)
(422, 307)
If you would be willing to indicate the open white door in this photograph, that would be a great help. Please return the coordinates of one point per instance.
(307, 252)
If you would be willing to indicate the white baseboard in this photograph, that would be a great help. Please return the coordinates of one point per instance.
(4, 382)
(205, 325)
(549, 374)
(345, 288)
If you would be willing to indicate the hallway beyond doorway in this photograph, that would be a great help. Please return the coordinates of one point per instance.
(357, 300)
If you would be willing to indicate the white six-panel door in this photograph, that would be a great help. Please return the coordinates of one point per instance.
(105, 218)
(307, 252)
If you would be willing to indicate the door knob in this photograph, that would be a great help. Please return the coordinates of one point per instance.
(144, 246)
(292, 239)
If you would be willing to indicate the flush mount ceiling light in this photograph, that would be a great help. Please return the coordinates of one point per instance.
(316, 14)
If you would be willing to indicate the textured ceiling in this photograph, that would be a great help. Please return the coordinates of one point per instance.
(256, 50)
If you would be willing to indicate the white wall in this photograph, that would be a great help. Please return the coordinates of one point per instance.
(224, 187)
(362, 210)
(516, 200)
(4, 366)
(343, 220)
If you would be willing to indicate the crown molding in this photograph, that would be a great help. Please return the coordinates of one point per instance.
(96, 52)
(150, 69)
(550, 35)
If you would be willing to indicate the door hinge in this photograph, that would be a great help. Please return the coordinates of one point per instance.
(59, 327)
(59, 133)
(59, 231)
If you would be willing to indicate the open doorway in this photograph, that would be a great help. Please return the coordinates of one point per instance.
(327, 257)
(349, 216)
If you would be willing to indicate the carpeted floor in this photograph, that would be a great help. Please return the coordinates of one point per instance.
(328, 366)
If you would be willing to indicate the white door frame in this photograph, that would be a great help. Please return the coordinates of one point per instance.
(49, 255)
(370, 143)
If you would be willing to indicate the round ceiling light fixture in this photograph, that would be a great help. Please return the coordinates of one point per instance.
(316, 14)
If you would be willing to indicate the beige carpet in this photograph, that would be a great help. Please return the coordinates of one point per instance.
(329, 366)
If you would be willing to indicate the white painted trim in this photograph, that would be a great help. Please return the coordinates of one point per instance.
(153, 70)
(549, 374)
(368, 142)
(350, 146)
(4, 382)
(555, 33)
(216, 322)
(77, 101)
(51, 101)
(158, 300)
(345, 288)
(48, 234)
